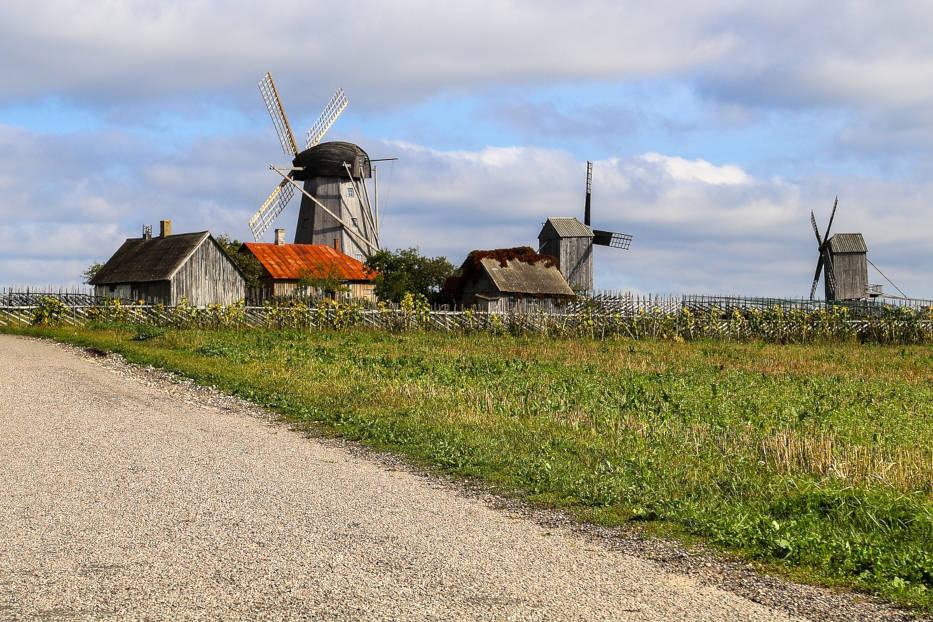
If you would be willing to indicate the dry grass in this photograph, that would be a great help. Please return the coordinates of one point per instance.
(824, 455)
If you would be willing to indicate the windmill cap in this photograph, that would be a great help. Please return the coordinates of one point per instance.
(326, 160)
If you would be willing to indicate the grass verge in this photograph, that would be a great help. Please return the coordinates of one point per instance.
(815, 459)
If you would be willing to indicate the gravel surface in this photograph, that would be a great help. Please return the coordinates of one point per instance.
(129, 493)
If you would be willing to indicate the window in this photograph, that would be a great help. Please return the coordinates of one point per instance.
(350, 194)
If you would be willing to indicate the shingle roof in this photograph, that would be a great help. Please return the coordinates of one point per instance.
(570, 228)
(847, 243)
(155, 259)
(524, 278)
(293, 261)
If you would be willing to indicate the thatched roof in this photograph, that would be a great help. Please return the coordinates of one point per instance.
(154, 259)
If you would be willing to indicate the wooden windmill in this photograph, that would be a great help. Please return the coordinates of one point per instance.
(335, 207)
(571, 242)
(843, 260)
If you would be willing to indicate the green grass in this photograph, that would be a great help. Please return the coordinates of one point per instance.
(814, 459)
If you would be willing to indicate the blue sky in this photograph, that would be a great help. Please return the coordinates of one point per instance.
(715, 128)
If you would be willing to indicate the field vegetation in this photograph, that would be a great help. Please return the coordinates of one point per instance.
(815, 458)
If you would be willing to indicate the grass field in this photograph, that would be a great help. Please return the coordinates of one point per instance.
(817, 459)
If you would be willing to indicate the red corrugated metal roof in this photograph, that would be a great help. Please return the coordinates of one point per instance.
(292, 261)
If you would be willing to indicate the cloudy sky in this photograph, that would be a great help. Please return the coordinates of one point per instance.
(715, 128)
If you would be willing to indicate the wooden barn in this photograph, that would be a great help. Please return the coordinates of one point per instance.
(286, 265)
(571, 242)
(169, 268)
(511, 279)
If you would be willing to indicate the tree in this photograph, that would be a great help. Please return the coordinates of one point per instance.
(407, 271)
(328, 284)
(91, 271)
(247, 262)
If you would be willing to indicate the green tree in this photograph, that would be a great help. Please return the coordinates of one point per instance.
(247, 262)
(91, 271)
(330, 283)
(408, 271)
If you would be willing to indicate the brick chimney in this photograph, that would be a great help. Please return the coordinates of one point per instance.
(165, 228)
(279, 237)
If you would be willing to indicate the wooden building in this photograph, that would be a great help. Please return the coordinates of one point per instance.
(508, 280)
(849, 266)
(285, 266)
(169, 268)
(571, 242)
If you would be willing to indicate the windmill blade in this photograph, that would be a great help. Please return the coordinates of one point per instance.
(830, 274)
(816, 230)
(831, 216)
(816, 276)
(270, 210)
(274, 105)
(610, 238)
(331, 111)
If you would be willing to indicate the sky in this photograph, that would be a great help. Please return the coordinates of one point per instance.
(714, 127)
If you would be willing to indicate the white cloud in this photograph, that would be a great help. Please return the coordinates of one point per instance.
(391, 52)
(697, 170)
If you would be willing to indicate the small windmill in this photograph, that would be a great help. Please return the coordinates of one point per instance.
(843, 259)
(335, 207)
(571, 241)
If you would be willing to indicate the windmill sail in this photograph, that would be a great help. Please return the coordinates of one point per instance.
(825, 260)
(274, 105)
(331, 111)
(611, 238)
(270, 210)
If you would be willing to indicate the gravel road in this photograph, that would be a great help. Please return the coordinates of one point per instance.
(123, 496)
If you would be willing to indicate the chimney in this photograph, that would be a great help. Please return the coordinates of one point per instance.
(279, 237)
(337, 244)
(165, 228)
(147, 232)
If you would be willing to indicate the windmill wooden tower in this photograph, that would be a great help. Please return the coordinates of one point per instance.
(571, 242)
(843, 260)
(335, 207)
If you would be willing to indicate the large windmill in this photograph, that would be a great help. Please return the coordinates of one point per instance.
(843, 260)
(335, 207)
(571, 242)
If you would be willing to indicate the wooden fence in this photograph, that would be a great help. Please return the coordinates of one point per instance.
(25, 295)
(773, 324)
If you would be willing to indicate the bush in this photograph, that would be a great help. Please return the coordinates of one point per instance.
(48, 312)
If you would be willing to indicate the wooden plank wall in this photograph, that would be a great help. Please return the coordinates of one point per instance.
(315, 226)
(208, 277)
(576, 263)
(851, 271)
